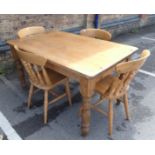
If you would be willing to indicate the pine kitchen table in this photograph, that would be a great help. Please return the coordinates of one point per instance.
(85, 59)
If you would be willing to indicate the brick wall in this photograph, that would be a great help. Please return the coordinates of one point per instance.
(10, 24)
(115, 23)
(122, 23)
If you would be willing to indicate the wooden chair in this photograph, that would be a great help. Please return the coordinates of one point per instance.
(114, 87)
(42, 78)
(25, 32)
(30, 31)
(96, 33)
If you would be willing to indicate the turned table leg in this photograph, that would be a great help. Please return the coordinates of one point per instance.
(19, 67)
(86, 89)
(20, 72)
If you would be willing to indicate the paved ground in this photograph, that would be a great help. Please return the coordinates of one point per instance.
(18, 122)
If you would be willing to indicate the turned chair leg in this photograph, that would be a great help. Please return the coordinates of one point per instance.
(126, 106)
(45, 106)
(29, 102)
(110, 117)
(68, 92)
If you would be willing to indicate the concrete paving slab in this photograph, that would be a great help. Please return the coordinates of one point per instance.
(9, 104)
(48, 133)
(69, 121)
(150, 63)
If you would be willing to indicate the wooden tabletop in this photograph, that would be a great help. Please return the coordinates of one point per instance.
(87, 56)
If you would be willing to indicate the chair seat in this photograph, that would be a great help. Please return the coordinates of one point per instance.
(55, 76)
(106, 86)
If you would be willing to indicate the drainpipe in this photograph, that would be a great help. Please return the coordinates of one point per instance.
(96, 21)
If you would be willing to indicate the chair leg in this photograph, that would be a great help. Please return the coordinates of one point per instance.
(68, 92)
(29, 102)
(110, 116)
(45, 106)
(126, 106)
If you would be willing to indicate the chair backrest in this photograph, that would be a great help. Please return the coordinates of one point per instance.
(96, 33)
(126, 72)
(30, 31)
(35, 67)
(133, 65)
